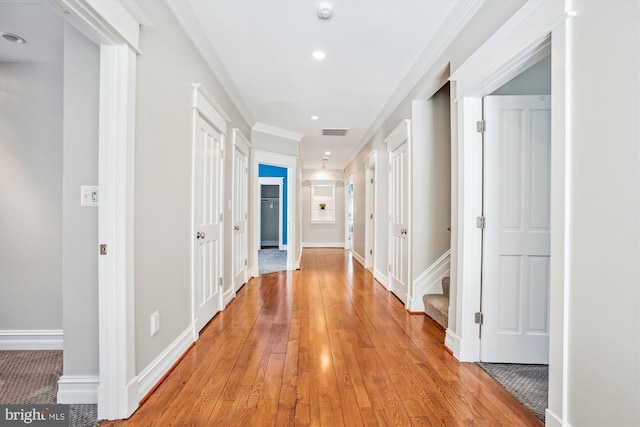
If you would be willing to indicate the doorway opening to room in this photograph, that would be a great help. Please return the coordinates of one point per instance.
(272, 251)
(514, 327)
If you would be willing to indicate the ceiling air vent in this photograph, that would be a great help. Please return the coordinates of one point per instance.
(334, 131)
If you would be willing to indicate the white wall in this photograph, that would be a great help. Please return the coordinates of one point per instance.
(604, 234)
(165, 72)
(331, 235)
(31, 195)
(274, 143)
(80, 224)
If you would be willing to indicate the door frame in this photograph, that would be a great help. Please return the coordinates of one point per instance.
(240, 142)
(349, 183)
(279, 181)
(291, 164)
(115, 29)
(531, 33)
(371, 198)
(204, 106)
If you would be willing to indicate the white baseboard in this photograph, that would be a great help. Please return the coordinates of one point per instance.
(31, 339)
(382, 278)
(552, 420)
(323, 245)
(358, 258)
(430, 281)
(297, 261)
(253, 272)
(78, 389)
(228, 296)
(149, 377)
(452, 342)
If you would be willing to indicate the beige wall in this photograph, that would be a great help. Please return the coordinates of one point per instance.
(165, 72)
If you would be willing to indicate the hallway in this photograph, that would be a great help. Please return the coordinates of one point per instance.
(325, 345)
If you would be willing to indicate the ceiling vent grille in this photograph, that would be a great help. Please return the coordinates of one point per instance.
(334, 131)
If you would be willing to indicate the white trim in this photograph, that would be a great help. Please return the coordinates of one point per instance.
(452, 341)
(552, 420)
(371, 202)
(474, 79)
(209, 109)
(276, 131)
(291, 163)
(253, 272)
(382, 278)
(347, 182)
(430, 281)
(279, 181)
(78, 389)
(116, 279)
(135, 10)
(323, 245)
(227, 296)
(241, 144)
(356, 256)
(188, 22)
(105, 23)
(37, 339)
(154, 371)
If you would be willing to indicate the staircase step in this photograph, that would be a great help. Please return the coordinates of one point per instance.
(436, 306)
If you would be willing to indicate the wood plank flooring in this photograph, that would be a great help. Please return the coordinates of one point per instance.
(324, 346)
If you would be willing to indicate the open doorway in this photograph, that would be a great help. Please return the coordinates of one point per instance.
(272, 252)
(514, 329)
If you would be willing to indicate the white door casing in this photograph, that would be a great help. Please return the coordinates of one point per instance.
(207, 193)
(240, 213)
(399, 208)
(516, 238)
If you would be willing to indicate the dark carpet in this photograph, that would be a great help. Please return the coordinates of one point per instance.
(527, 383)
(31, 377)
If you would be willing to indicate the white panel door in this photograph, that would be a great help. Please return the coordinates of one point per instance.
(516, 238)
(240, 212)
(399, 219)
(207, 223)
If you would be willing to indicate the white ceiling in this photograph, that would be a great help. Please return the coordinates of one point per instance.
(263, 48)
(38, 24)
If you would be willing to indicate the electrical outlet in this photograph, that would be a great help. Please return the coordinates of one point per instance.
(155, 322)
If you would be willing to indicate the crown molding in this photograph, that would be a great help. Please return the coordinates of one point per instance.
(134, 9)
(446, 34)
(272, 130)
(190, 25)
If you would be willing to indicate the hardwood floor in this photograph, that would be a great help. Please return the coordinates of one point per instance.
(324, 346)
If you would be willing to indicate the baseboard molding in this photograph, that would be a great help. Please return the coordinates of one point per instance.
(149, 377)
(270, 243)
(323, 245)
(452, 342)
(252, 272)
(228, 296)
(382, 278)
(552, 420)
(358, 258)
(52, 339)
(430, 281)
(78, 389)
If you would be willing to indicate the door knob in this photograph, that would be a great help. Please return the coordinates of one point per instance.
(200, 235)
(237, 228)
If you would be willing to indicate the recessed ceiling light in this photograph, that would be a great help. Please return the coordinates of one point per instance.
(314, 117)
(327, 153)
(319, 55)
(13, 38)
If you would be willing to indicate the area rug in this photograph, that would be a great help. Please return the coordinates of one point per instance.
(529, 384)
(271, 260)
(31, 377)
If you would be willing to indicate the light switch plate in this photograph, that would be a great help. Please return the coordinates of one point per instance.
(89, 196)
